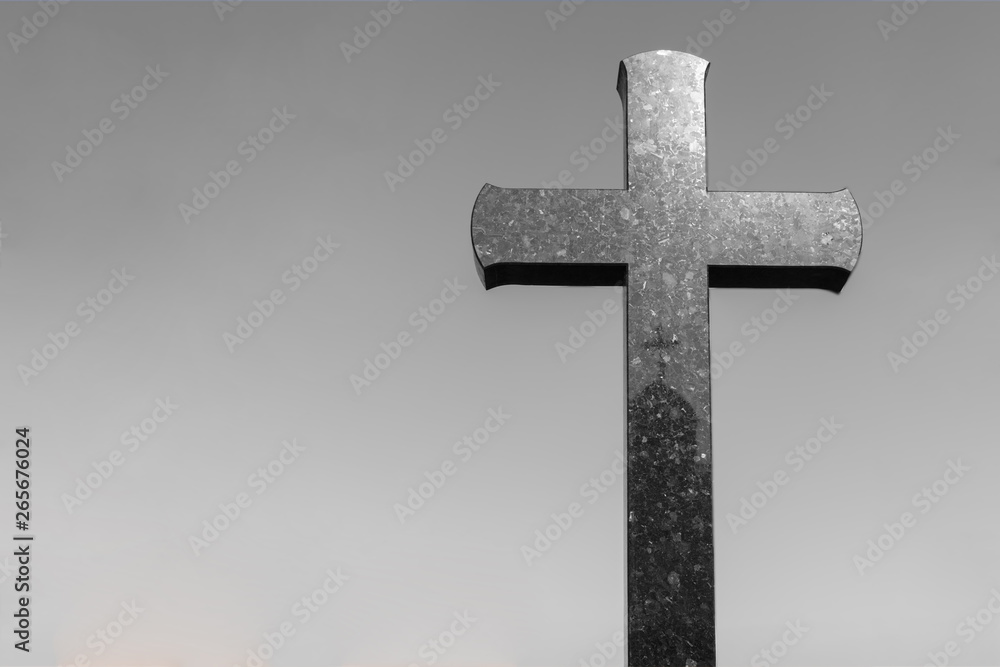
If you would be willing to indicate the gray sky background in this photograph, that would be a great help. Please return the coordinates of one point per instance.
(162, 336)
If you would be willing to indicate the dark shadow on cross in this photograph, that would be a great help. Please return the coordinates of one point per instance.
(670, 551)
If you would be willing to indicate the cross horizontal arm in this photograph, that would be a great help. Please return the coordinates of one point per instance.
(786, 228)
(549, 237)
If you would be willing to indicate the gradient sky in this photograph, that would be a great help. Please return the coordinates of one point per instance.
(323, 176)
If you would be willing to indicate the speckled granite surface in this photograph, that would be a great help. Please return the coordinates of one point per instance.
(666, 239)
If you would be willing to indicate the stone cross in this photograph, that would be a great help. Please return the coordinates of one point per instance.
(666, 239)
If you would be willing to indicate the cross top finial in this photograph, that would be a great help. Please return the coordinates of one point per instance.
(663, 94)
